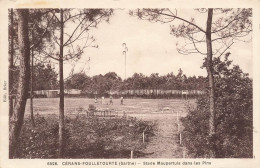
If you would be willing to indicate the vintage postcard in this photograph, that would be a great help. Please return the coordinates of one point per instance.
(129, 84)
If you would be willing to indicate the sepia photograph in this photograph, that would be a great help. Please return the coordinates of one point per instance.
(130, 83)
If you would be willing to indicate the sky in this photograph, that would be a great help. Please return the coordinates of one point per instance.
(151, 49)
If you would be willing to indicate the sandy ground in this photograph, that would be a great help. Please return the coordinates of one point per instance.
(165, 143)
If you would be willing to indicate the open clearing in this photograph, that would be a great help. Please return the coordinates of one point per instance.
(163, 112)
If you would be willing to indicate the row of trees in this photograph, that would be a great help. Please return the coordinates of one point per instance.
(45, 78)
(102, 84)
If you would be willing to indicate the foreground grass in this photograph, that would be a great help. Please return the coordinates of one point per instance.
(85, 137)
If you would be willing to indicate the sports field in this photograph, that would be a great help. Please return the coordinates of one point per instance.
(163, 112)
(130, 106)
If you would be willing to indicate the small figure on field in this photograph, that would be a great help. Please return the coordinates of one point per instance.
(102, 100)
(122, 101)
(111, 100)
(96, 100)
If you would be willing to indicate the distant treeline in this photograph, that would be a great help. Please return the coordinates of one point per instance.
(139, 85)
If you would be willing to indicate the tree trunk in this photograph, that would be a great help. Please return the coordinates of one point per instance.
(16, 121)
(11, 62)
(61, 109)
(209, 67)
(31, 107)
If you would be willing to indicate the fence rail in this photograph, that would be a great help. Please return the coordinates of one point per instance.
(127, 93)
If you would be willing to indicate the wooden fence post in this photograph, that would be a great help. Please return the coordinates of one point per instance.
(132, 154)
(180, 138)
(183, 153)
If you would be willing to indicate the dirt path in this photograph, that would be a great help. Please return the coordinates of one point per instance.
(165, 143)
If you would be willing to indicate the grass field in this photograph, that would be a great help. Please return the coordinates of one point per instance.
(161, 112)
(131, 106)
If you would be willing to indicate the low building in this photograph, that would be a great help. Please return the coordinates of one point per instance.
(72, 91)
(46, 93)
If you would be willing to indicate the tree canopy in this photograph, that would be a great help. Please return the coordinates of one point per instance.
(102, 84)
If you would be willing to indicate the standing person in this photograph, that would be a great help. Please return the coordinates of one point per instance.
(111, 100)
(96, 100)
(122, 100)
(102, 99)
